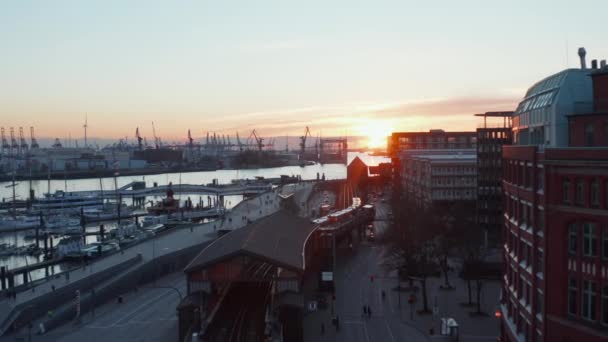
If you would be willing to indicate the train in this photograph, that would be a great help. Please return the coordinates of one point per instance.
(345, 214)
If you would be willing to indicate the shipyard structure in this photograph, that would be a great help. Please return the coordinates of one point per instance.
(21, 157)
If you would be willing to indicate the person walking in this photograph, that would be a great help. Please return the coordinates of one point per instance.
(364, 310)
(369, 312)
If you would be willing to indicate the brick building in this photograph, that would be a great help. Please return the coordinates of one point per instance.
(555, 284)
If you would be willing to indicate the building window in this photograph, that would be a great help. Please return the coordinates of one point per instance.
(605, 243)
(588, 305)
(572, 239)
(589, 239)
(540, 180)
(566, 190)
(572, 292)
(579, 196)
(540, 220)
(595, 193)
(540, 262)
(589, 138)
(540, 301)
(605, 305)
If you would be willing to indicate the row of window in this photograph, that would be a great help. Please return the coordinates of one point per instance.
(590, 237)
(590, 134)
(524, 252)
(586, 304)
(524, 214)
(584, 194)
(437, 139)
(503, 134)
(523, 175)
(523, 326)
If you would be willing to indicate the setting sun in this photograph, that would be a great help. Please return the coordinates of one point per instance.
(376, 133)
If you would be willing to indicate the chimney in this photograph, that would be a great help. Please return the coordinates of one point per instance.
(594, 64)
(582, 53)
(603, 64)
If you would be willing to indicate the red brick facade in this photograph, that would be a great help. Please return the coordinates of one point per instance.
(555, 285)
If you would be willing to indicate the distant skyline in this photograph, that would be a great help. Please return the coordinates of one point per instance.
(340, 67)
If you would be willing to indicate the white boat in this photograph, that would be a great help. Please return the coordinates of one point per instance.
(69, 246)
(92, 250)
(65, 202)
(155, 228)
(19, 222)
(108, 212)
(61, 222)
(150, 220)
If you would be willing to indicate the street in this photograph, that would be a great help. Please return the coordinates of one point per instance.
(147, 314)
(355, 288)
(392, 318)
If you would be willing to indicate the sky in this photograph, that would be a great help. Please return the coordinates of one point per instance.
(340, 67)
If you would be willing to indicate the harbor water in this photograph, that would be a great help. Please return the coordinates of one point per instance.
(330, 171)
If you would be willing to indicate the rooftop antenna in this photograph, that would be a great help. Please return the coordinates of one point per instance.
(581, 54)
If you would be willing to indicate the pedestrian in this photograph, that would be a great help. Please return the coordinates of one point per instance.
(322, 328)
(364, 310)
(337, 322)
(369, 312)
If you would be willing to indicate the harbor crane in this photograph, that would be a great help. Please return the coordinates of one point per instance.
(23, 143)
(156, 139)
(139, 138)
(303, 142)
(5, 146)
(14, 144)
(238, 142)
(258, 140)
(34, 142)
(190, 140)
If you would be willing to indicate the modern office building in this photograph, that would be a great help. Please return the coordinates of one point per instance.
(490, 140)
(435, 139)
(555, 286)
(437, 177)
(434, 167)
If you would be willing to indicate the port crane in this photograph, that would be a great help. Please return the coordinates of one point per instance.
(139, 138)
(14, 144)
(5, 146)
(258, 140)
(190, 140)
(238, 141)
(156, 139)
(303, 142)
(23, 143)
(34, 142)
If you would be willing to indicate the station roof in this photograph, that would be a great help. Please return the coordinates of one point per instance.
(279, 239)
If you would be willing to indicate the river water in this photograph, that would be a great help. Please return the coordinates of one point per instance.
(331, 171)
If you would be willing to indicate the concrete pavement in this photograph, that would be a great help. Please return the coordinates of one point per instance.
(391, 318)
(146, 314)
